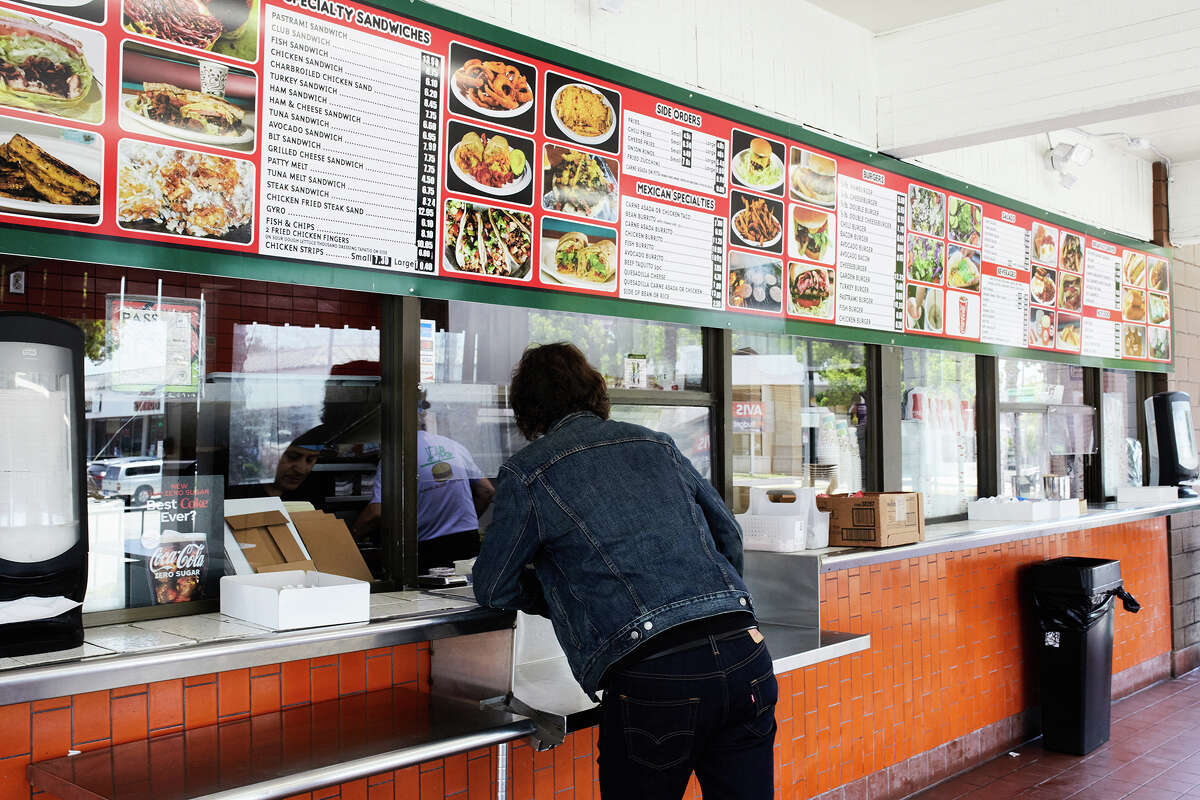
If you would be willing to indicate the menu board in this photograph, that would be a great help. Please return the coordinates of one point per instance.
(336, 133)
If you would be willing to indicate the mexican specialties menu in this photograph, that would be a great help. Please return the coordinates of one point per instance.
(336, 133)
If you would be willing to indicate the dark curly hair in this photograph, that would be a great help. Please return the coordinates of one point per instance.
(552, 381)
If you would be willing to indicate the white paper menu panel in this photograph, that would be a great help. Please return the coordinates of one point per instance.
(341, 143)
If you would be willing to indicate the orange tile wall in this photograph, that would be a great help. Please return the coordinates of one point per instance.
(947, 658)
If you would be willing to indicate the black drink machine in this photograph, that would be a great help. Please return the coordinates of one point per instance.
(1169, 427)
(43, 510)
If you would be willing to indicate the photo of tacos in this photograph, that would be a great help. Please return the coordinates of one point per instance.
(486, 241)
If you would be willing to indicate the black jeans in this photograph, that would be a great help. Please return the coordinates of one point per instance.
(708, 709)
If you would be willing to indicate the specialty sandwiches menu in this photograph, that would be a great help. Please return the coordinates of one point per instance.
(334, 132)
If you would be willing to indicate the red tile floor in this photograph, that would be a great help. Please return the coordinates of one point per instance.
(1152, 754)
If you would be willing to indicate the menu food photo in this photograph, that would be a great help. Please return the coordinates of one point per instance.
(343, 134)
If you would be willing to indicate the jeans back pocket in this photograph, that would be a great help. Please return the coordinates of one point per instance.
(764, 694)
(659, 733)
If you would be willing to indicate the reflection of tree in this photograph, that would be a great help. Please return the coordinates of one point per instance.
(841, 370)
(96, 346)
(607, 340)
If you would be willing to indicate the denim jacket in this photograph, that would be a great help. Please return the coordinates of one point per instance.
(625, 539)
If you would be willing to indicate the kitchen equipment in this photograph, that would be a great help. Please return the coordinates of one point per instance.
(1173, 457)
(1056, 487)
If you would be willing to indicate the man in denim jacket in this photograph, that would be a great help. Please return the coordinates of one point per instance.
(608, 530)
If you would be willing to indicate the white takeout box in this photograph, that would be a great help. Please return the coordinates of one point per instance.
(1018, 511)
(1147, 494)
(295, 599)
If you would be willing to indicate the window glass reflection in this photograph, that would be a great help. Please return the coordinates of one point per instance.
(937, 430)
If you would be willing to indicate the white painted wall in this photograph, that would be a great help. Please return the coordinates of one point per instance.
(831, 82)
(1114, 191)
(716, 47)
(1183, 197)
(1025, 66)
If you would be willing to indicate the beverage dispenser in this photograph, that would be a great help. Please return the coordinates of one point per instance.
(43, 510)
(1174, 460)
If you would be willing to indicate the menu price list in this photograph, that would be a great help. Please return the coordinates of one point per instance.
(671, 255)
(1005, 311)
(673, 154)
(1006, 244)
(347, 143)
(870, 250)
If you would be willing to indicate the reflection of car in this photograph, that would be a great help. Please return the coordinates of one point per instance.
(97, 469)
(134, 481)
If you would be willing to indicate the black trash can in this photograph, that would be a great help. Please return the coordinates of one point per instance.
(1074, 602)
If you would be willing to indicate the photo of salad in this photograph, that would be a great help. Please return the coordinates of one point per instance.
(1160, 309)
(926, 259)
(926, 210)
(966, 222)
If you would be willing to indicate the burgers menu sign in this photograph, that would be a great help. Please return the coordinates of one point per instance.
(337, 133)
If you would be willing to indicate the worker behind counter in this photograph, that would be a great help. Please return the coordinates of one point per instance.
(452, 493)
(293, 472)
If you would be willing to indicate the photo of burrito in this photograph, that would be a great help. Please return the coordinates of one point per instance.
(50, 67)
(578, 256)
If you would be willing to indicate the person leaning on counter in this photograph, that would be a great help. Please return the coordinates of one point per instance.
(608, 530)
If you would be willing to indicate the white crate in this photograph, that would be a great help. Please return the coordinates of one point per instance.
(295, 599)
(774, 534)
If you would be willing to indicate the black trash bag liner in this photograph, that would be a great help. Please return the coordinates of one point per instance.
(1071, 611)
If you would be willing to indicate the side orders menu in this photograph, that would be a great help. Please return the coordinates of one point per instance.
(337, 133)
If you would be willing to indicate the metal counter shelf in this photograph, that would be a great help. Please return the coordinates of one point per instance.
(945, 537)
(123, 655)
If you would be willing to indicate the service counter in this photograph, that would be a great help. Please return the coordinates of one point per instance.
(897, 667)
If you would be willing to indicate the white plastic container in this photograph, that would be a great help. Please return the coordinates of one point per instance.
(295, 599)
(991, 510)
(776, 527)
(1147, 494)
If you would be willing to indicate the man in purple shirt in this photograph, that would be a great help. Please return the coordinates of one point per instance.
(451, 494)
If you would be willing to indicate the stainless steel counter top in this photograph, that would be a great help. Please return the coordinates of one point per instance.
(177, 647)
(947, 537)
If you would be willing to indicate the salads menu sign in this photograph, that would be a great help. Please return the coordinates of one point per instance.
(337, 133)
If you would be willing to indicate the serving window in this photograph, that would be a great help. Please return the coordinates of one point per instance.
(937, 430)
(800, 416)
(200, 390)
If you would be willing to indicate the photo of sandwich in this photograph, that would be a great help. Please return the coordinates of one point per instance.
(810, 291)
(1133, 305)
(487, 241)
(189, 114)
(50, 67)
(46, 174)
(185, 193)
(578, 256)
(813, 234)
(228, 27)
(814, 178)
(1133, 268)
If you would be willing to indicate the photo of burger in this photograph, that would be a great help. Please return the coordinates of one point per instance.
(810, 291)
(814, 178)
(812, 234)
(757, 163)
(45, 68)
